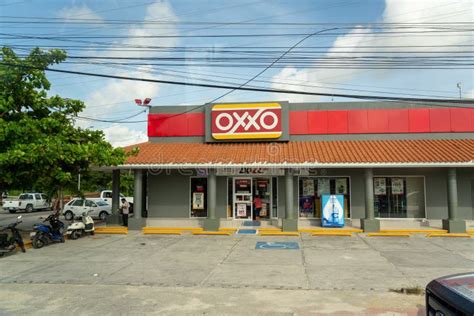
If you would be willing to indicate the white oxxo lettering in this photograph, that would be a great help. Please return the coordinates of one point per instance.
(230, 123)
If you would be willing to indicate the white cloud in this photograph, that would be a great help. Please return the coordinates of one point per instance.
(120, 136)
(118, 91)
(113, 94)
(396, 11)
(79, 12)
(468, 94)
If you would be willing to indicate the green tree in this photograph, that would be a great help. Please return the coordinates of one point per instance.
(40, 147)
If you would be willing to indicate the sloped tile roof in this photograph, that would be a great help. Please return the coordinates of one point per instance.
(306, 152)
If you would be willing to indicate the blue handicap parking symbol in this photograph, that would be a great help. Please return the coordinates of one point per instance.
(276, 245)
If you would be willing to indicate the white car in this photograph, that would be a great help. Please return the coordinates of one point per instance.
(77, 206)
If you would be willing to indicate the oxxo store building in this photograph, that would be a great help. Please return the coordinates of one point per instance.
(394, 165)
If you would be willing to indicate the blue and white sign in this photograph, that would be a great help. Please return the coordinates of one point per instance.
(277, 245)
(333, 210)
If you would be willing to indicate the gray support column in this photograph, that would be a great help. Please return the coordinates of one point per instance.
(137, 222)
(453, 224)
(114, 218)
(290, 222)
(369, 223)
(211, 223)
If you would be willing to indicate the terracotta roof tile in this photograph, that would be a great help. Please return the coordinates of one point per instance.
(315, 152)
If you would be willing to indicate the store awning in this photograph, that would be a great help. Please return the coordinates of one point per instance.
(305, 154)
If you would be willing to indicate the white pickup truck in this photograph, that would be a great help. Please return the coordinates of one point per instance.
(106, 195)
(28, 202)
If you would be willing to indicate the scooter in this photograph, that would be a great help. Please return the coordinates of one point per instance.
(82, 225)
(43, 235)
(7, 243)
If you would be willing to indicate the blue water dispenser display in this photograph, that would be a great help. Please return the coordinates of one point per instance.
(333, 210)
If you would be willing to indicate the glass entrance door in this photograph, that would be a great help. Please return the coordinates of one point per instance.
(262, 197)
(243, 206)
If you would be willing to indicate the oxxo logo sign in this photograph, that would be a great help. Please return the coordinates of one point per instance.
(246, 121)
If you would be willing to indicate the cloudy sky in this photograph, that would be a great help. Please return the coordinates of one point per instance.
(114, 29)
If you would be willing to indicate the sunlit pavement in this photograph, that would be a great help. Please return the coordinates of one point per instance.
(117, 274)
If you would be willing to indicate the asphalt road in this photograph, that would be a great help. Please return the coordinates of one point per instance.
(138, 274)
(28, 219)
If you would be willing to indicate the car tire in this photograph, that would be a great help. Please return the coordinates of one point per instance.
(69, 216)
(103, 215)
(12, 211)
(29, 208)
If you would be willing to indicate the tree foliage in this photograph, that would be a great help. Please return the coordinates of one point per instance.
(40, 146)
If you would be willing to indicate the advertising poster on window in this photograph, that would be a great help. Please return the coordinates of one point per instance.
(380, 186)
(264, 210)
(308, 187)
(198, 200)
(242, 185)
(306, 206)
(397, 186)
(323, 186)
(333, 210)
(241, 210)
(341, 186)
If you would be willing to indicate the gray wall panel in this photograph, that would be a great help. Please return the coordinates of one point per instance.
(168, 195)
(464, 195)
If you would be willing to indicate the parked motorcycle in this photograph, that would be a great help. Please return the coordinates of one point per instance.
(8, 243)
(82, 225)
(43, 235)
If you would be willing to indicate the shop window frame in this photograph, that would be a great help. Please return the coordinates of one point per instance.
(232, 182)
(403, 176)
(316, 177)
(191, 199)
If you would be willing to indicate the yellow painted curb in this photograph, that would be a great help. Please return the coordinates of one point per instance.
(317, 230)
(268, 229)
(470, 231)
(388, 235)
(150, 230)
(347, 234)
(449, 235)
(228, 229)
(162, 232)
(27, 245)
(414, 231)
(111, 230)
(279, 233)
(213, 233)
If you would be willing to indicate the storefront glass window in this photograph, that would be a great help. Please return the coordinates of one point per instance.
(399, 197)
(311, 190)
(198, 197)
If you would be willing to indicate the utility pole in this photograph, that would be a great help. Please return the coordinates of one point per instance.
(460, 90)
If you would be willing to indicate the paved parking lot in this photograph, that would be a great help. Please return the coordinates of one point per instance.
(227, 275)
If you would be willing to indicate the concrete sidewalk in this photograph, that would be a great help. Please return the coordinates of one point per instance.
(227, 275)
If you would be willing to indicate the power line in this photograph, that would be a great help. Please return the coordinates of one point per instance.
(274, 62)
(446, 103)
(30, 19)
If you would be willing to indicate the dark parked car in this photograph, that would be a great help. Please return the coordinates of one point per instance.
(451, 295)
